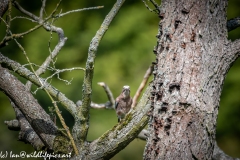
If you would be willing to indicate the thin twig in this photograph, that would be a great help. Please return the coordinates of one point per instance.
(48, 27)
(17, 6)
(55, 10)
(57, 71)
(25, 73)
(142, 85)
(22, 17)
(41, 23)
(20, 35)
(78, 10)
(156, 10)
(9, 17)
(42, 9)
(154, 4)
(64, 124)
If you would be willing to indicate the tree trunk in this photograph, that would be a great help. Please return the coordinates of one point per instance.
(193, 56)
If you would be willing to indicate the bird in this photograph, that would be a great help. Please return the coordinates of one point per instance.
(123, 103)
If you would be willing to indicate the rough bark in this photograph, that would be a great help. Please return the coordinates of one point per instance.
(3, 7)
(26, 134)
(33, 112)
(193, 56)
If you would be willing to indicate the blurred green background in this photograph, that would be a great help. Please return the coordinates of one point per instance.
(123, 57)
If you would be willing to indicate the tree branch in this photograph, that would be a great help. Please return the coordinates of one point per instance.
(108, 105)
(111, 99)
(24, 72)
(17, 6)
(42, 9)
(235, 47)
(81, 125)
(47, 27)
(79, 10)
(218, 154)
(27, 134)
(19, 35)
(156, 10)
(232, 52)
(233, 24)
(33, 112)
(40, 21)
(142, 85)
(143, 135)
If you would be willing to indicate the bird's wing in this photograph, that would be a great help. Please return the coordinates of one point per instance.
(116, 103)
(131, 101)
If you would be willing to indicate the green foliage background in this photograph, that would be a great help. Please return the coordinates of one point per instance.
(123, 56)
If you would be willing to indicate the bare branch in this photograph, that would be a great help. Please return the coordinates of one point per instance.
(108, 105)
(142, 85)
(19, 35)
(41, 23)
(42, 9)
(54, 53)
(81, 126)
(218, 154)
(24, 72)
(48, 27)
(156, 10)
(27, 134)
(235, 47)
(233, 24)
(17, 6)
(57, 72)
(232, 52)
(111, 99)
(22, 17)
(154, 4)
(78, 10)
(143, 135)
(9, 17)
(98, 106)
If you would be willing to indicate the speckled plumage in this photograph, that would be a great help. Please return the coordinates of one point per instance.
(123, 103)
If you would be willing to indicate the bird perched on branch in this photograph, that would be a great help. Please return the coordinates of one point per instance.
(123, 103)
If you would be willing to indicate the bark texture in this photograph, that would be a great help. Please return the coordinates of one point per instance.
(32, 111)
(193, 56)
